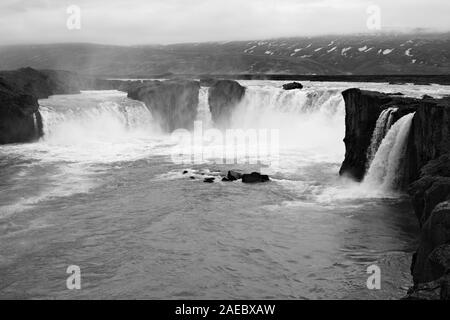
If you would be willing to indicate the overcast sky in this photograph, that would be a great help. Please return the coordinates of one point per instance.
(171, 21)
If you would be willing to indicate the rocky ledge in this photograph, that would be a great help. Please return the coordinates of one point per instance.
(223, 97)
(429, 130)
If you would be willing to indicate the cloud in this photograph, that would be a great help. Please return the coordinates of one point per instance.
(169, 21)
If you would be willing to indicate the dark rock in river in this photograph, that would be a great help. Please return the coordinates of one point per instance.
(292, 86)
(233, 175)
(173, 103)
(254, 177)
(223, 97)
(209, 180)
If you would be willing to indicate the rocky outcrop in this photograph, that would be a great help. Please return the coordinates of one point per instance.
(20, 120)
(173, 103)
(430, 133)
(292, 86)
(362, 109)
(431, 201)
(223, 97)
(255, 177)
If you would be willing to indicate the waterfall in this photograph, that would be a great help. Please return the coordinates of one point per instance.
(93, 116)
(35, 126)
(311, 120)
(385, 171)
(382, 126)
(203, 111)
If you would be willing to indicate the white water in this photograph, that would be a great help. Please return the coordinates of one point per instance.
(382, 126)
(385, 173)
(309, 121)
(203, 112)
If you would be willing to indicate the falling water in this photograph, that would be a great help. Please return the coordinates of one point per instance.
(307, 120)
(203, 111)
(383, 125)
(35, 126)
(385, 171)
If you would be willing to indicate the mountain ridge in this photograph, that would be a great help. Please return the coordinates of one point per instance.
(325, 55)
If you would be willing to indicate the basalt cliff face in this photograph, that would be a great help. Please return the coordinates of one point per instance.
(427, 172)
(223, 97)
(20, 120)
(362, 109)
(173, 103)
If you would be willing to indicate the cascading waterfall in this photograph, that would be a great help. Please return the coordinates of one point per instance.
(35, 126)
(383, 125)
(91, 116)
(385, 171)
(309, 120)
(203, 111)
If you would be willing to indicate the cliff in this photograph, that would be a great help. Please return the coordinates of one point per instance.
(427, 170)
(20, 120)
(223, 96)
(362, 109)
(173, 103)
(430, 265)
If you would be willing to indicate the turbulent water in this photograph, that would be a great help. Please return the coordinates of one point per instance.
(101, 191)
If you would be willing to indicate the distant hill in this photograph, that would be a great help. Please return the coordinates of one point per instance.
(325, 55)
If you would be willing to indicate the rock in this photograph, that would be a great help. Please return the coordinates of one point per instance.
(207, 82)
(425, 96)
(223, 97)
(185, 171)
(234, 175)
(434, 234)
(430, 133)
(432, 188)
(173, 103)
(425, 291)
(254, 177)
(225, 179)
(192, 177)
(20, 120)
(209, 180)
(362, 109)
(292, 86)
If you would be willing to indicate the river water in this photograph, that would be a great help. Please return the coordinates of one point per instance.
(101, 190)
